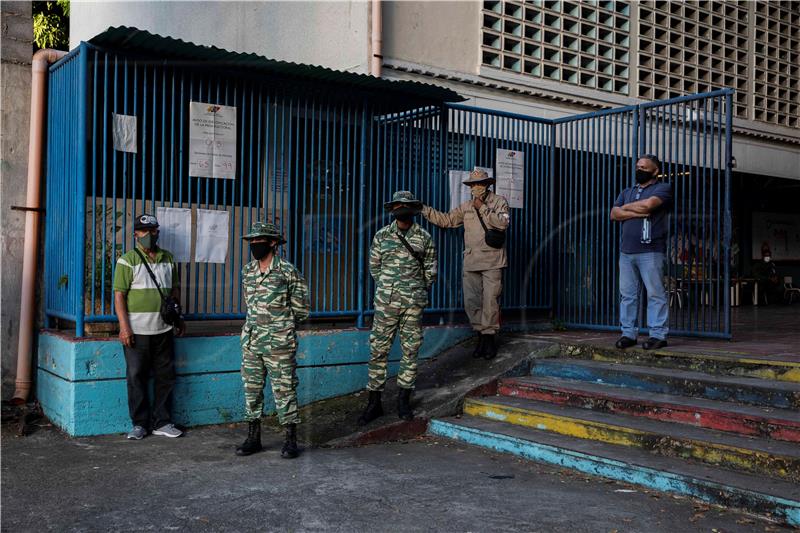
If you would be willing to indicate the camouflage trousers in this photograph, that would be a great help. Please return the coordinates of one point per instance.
(387, 321)
(281, 366)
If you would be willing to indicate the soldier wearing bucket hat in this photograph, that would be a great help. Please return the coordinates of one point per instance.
(402, 261)
(277, 300)
(485, 219)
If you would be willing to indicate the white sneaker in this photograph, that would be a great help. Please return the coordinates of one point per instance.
(137, 433)
(168, 430)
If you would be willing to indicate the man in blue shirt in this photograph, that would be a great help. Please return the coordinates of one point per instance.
(643, 210)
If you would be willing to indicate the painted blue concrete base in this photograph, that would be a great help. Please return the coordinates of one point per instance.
(81, 382)
(706, 490)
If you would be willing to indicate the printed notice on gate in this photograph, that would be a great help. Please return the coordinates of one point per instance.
(459, 193)
(175, 225)
(511, 177)
(212, 140)
(211, 245)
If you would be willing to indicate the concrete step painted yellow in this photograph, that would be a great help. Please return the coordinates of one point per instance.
(724, 363)
(763, 456)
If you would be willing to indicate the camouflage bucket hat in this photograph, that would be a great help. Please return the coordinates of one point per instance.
(403, 197)
(265, 229)
(478, 176)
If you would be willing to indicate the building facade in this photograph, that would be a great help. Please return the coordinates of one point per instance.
(540, 58)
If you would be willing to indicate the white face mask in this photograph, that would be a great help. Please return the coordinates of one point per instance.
(478, 190)
(767, 259)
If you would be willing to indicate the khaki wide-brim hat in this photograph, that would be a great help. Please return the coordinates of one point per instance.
(265, 229)
(403, 197)
(478, 176)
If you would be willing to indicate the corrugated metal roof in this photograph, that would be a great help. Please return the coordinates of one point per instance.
(133, 40)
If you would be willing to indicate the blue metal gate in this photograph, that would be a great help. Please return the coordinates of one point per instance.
(321, 164)
(595, 158)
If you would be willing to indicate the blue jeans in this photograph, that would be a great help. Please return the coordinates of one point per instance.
(635, 269)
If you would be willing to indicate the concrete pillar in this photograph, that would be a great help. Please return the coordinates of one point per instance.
(16, 42)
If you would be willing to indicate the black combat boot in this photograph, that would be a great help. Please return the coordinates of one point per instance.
(253, 442)
(490, 348)
(374, 408)
(404, 404)
(478, 353)
(289, 450)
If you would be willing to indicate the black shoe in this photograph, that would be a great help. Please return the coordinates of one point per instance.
(374, 408)
(253, 442)
(625, 342)
(478, 353)
(489, 348)
(654, 344)
(404, 405)
(289, 450)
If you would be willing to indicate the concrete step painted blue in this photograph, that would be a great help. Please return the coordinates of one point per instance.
(751, 391)
(764, 496)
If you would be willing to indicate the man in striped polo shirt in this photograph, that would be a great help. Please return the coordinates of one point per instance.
(146, 339)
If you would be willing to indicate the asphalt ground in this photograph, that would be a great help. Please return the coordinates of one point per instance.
(51, 482)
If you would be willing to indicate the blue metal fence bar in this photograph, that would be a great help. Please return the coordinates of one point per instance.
(727, 210)
(82, 177)
(93, 281)
(498, 113)
(366, 129)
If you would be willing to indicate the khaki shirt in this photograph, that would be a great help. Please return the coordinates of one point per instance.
(477, 254)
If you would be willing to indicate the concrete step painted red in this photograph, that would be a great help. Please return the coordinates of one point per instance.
(743, 390)
(778, 424)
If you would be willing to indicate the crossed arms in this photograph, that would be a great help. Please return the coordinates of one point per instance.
(637, 209)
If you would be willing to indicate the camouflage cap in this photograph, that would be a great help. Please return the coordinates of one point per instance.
(265, 229)
(478, 176)
(403, 197)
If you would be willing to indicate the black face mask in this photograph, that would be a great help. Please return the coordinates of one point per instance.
(260, 249)
(642, 176)
(404, 214)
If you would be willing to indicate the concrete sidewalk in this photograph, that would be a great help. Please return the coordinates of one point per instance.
(196, 483)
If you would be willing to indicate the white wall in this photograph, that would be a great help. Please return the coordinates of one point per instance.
(16, 40)
(332, 34)
(767, 159)
(439, 34)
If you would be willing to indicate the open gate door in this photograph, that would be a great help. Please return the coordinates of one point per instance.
(595, 157)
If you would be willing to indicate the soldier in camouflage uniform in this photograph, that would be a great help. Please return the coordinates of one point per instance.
(277, 299)
(402, 280)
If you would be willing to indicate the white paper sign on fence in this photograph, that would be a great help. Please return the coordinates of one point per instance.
(511, 177)
(459, 193)
(175, 232)
(124, 132)
(212, 140)
(212, 236)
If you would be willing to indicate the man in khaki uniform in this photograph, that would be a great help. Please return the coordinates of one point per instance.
(483, 264)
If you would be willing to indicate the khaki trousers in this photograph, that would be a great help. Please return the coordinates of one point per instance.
(482, 299)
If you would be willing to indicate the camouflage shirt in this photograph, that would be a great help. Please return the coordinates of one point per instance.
(393, 267)
(276, 299)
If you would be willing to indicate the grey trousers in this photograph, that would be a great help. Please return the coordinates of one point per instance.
(482, 299)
